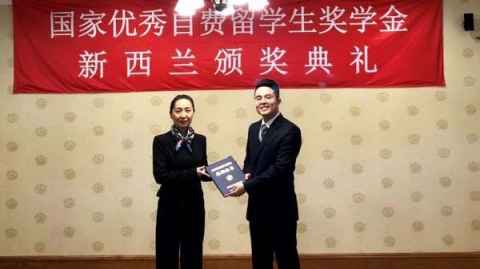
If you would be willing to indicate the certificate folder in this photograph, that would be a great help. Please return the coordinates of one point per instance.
(225, 173)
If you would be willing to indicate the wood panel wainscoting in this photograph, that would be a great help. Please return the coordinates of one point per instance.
(464, 260)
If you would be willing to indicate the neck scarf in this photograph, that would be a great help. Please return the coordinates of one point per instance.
(183, 139)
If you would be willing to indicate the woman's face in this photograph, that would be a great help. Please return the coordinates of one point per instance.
(182, 113)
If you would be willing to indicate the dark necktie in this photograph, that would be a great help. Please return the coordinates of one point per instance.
(263, 132)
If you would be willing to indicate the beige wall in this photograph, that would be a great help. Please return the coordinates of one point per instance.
(384, 170)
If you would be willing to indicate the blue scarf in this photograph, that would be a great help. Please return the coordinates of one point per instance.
(183, 139)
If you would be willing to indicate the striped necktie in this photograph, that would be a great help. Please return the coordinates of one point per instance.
(263, 132)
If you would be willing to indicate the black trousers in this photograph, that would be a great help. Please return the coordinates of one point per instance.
(274, 239)
(179, 234)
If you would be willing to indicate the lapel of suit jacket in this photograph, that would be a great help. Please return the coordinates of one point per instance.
(172, 142)
(254, 137)
(195, 145)
(272, 132)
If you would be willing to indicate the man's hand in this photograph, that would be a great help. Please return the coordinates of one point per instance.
(236, 189)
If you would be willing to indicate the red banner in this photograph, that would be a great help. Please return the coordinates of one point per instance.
(78, 46)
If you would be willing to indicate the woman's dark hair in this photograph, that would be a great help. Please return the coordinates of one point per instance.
(181, 96)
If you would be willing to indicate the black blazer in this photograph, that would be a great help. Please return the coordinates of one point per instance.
(176, 171)
(271, 192)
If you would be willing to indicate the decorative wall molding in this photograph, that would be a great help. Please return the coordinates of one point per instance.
(464, 260)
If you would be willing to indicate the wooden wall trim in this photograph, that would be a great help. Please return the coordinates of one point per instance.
(455, 260)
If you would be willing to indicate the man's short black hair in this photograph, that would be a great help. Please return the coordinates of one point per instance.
(272, 84)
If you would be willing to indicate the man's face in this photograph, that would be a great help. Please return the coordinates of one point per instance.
(266, 102)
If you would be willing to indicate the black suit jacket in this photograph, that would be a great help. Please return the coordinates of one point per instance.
(176, 171)
(271, 192)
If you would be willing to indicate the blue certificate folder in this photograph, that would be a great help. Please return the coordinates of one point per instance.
(225, 173)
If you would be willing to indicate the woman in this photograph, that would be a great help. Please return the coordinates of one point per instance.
(179, 160)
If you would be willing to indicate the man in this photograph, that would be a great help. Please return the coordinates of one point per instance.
(272, 149)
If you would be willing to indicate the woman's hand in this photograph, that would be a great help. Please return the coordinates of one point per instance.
(202, 171)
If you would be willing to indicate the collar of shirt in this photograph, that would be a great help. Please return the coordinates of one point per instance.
(270, 122)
